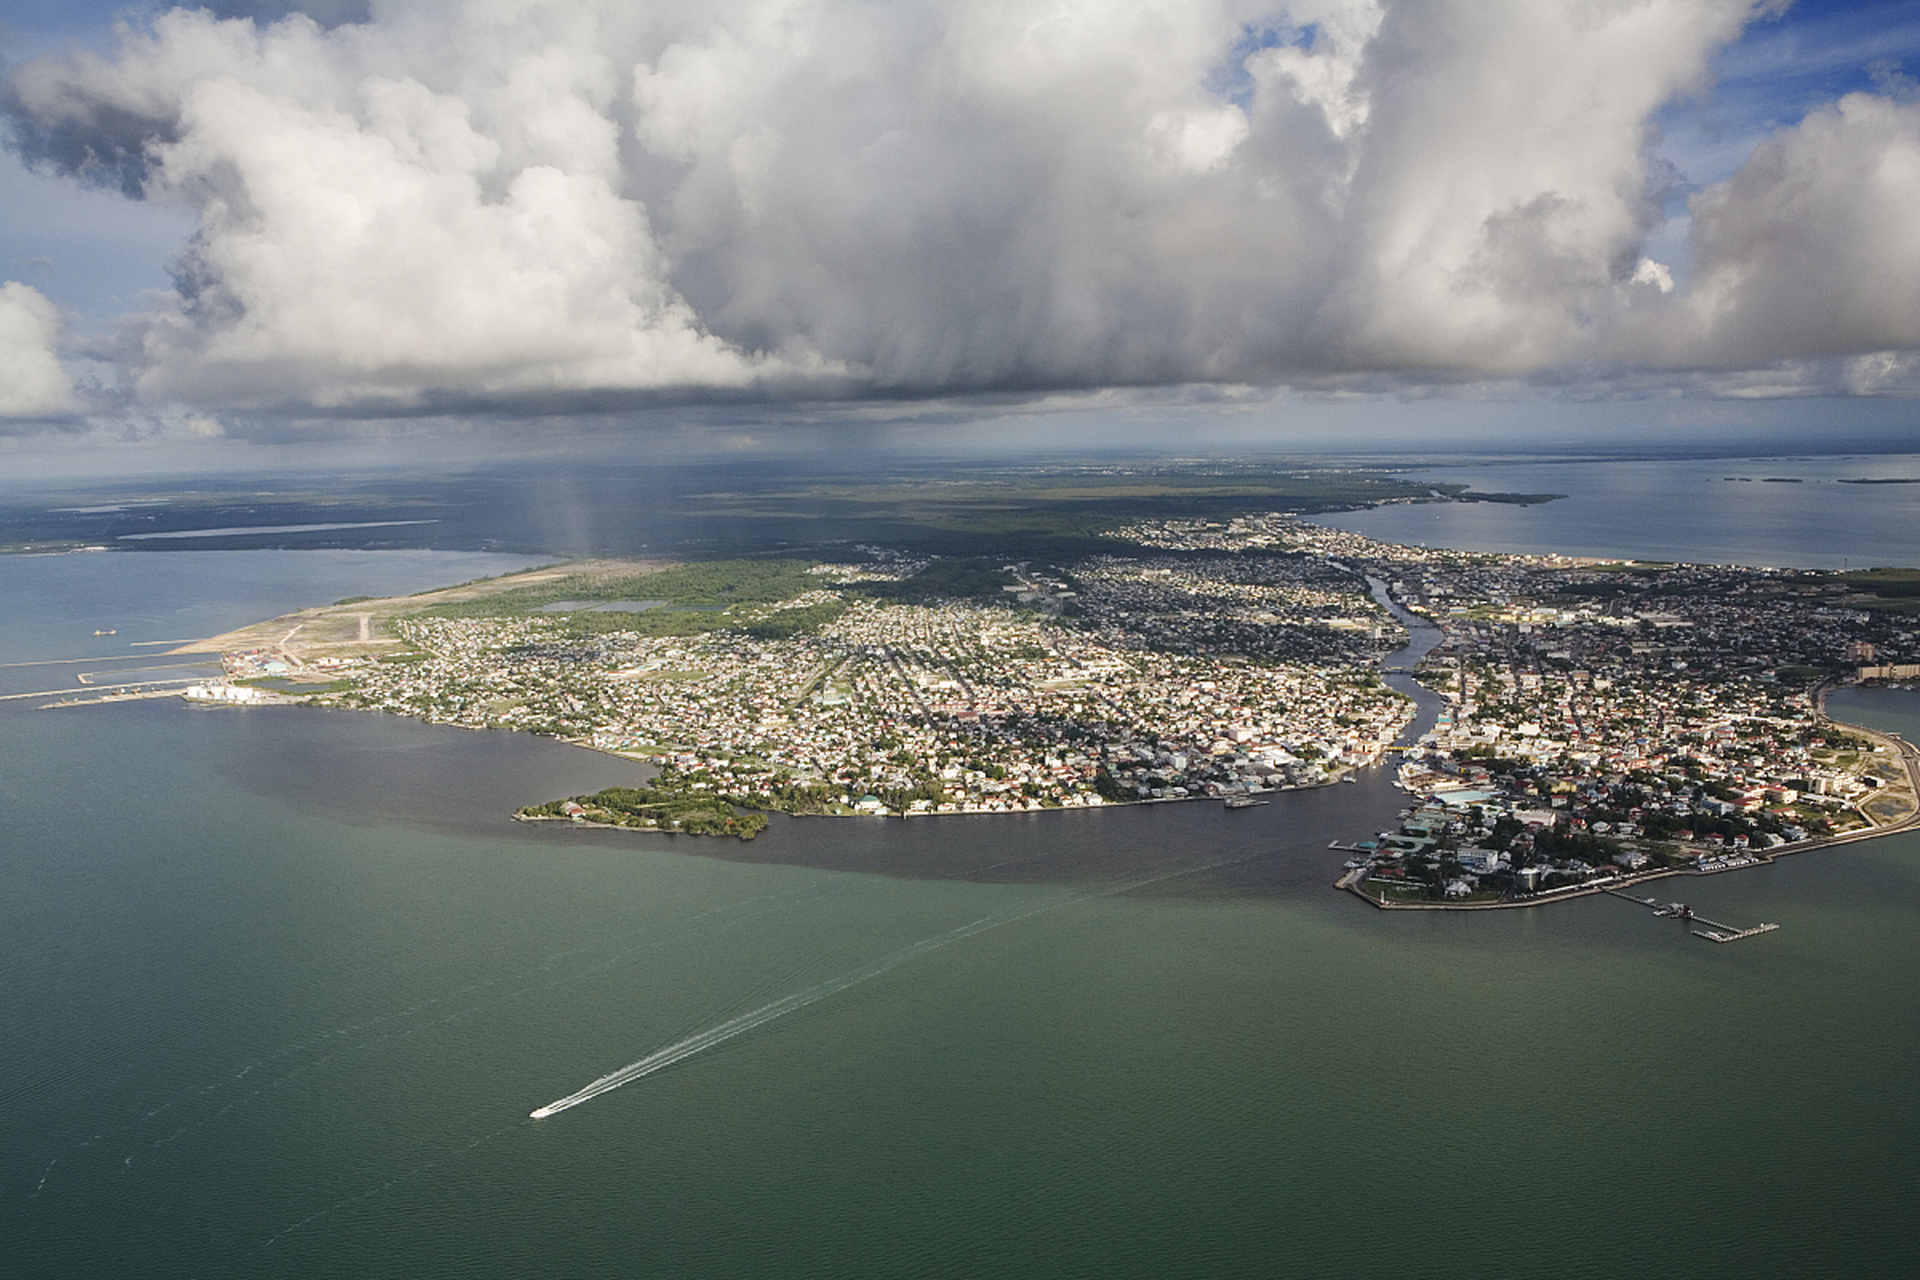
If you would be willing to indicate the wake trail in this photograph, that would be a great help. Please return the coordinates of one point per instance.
(271, 1074)
(381, 1188)
(700, 1042)
(680, 1050)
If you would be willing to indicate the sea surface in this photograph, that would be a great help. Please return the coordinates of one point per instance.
(279, 987)
(1793, 511)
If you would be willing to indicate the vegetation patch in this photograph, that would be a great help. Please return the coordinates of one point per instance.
(972, 578)
(785, 624)
(672, 803)
(1509, 499)
(713, 585)
(1893, 590)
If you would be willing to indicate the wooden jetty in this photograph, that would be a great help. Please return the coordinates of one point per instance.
(1726, 933)
(1714, 931)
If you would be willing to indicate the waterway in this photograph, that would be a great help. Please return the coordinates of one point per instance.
(278, 988)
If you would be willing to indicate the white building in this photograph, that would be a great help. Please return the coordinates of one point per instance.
(234, 693)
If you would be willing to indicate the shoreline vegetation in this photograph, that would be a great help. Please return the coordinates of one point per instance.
(666, 805)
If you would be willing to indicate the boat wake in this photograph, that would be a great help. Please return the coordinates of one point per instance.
(701, 1041)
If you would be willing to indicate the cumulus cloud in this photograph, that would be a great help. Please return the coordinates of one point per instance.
(1503, 190)
(541, 203)
(32, 383)
(1813, 247)
(361, 241)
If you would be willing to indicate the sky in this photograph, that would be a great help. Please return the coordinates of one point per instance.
(1358, 220)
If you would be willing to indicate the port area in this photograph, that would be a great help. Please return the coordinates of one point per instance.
(1714, 931)
(200, 692)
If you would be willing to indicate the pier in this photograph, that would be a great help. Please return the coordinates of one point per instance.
(116, 689)
(1727, 933)
(1715, 931)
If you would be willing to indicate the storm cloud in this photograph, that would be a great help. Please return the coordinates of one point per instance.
(474, 202)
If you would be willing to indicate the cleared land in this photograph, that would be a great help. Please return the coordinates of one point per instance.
(312, 640)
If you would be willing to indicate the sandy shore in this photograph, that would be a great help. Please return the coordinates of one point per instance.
(364, 628)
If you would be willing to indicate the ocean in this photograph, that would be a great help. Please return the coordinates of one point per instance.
(1790, 511)
(279, 988)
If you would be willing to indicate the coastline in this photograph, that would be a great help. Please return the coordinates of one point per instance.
(1105, 806)
(1909, 757)
(344, 890)
(1395, 668)
(350, 626)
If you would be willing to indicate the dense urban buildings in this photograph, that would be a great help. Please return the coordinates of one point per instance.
(1601, 722)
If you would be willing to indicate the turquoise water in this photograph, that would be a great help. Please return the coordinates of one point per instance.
(277, 991)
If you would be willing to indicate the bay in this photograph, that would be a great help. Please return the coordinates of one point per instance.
(1802, 512)
(120, 610)
(278, 988)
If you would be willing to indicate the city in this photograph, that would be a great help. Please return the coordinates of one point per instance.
(1600, 723)
(1609, 723)
(947, 707)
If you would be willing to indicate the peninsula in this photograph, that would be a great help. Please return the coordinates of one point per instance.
(1598, 723)
(882, 685)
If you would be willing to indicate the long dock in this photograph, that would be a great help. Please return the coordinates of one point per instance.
(130, 695)
(71, 691)
(1715, 931)
(1727, 933)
